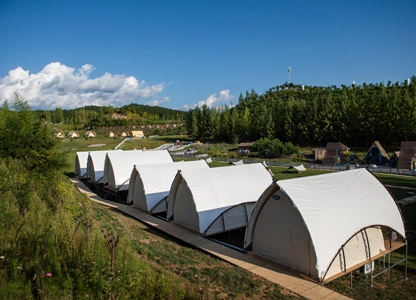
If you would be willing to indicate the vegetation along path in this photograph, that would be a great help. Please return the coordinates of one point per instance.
(286, 278)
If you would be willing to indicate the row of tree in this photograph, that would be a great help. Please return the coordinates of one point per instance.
(102, 116)
(311, 115)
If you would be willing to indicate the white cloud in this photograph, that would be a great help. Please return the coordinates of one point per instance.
(212, 100)
(156, 102)
(57, 85)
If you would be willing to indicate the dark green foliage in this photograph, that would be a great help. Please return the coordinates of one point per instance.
(27, 139)
(274, 148)
(311, 115)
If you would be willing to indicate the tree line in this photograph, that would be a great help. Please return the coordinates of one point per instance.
(355, 115)
(101, 116)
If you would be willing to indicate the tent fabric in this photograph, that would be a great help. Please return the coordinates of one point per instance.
(299, 168)
(149, 184)
(321, 213)
(118, 165)
(95, 165)
(197, 197)
(81, 158)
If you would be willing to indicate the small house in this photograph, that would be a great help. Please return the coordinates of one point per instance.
(407, 156)
(137, 134)
(245, 147)
(334, 153)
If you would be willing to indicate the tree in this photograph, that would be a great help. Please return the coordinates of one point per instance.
(26, 139)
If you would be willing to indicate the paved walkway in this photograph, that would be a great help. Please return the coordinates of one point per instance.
(295, 282)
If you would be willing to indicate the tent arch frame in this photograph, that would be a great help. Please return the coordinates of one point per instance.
(224, 212)
(387, 232)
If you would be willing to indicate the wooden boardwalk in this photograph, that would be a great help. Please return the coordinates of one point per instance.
(295, 282)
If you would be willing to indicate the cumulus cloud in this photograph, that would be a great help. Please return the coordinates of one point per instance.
(156, 102)
(213, 100)
(58, 85)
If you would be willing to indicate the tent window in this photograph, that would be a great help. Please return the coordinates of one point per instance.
(276, 197)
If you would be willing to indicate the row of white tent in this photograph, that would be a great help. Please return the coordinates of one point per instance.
(321, 225)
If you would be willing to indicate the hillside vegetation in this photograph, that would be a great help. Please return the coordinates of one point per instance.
(312, 115)
(56, 244)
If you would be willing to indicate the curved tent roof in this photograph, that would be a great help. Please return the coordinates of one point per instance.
(198, 197)
(118, 165)
(81, 158)
(149, 184)
(95, 165)
(331, 208)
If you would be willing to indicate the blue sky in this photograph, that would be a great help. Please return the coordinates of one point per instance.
(178, 54)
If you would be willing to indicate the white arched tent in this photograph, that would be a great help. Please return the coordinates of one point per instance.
(198, 198)
(325, 225)
(95, 165)
(81, 158)
(150, 184)
(118, 165)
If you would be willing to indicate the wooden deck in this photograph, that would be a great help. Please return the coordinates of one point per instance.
(291, 280)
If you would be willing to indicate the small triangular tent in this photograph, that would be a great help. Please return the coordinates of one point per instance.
(150, 184)
(407, 153)
(198, 198)
(376, 155)
(118, 165)
(334, 153)
(95, 165)
(73, 134)
(298, 168)
(111, 134)
(237, 163)
(81, 159)
(90, 133)
(125, 134)
(327, 224)
(60, 134)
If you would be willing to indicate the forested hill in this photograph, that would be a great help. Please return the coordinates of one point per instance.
(98, 116)
(312, 115)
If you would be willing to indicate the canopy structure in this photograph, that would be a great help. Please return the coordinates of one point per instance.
(81, 158)
(118, 165)
(376, 155)
(95, 165)
(325, 225)
(198, 198)
(150, 184)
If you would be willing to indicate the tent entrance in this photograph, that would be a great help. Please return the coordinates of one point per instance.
(377, 262)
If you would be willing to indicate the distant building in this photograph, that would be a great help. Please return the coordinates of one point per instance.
(137, 134)
(245, 147)
(334, 153)
(407, 156)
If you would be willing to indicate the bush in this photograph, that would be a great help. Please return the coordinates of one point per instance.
(274, 148)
